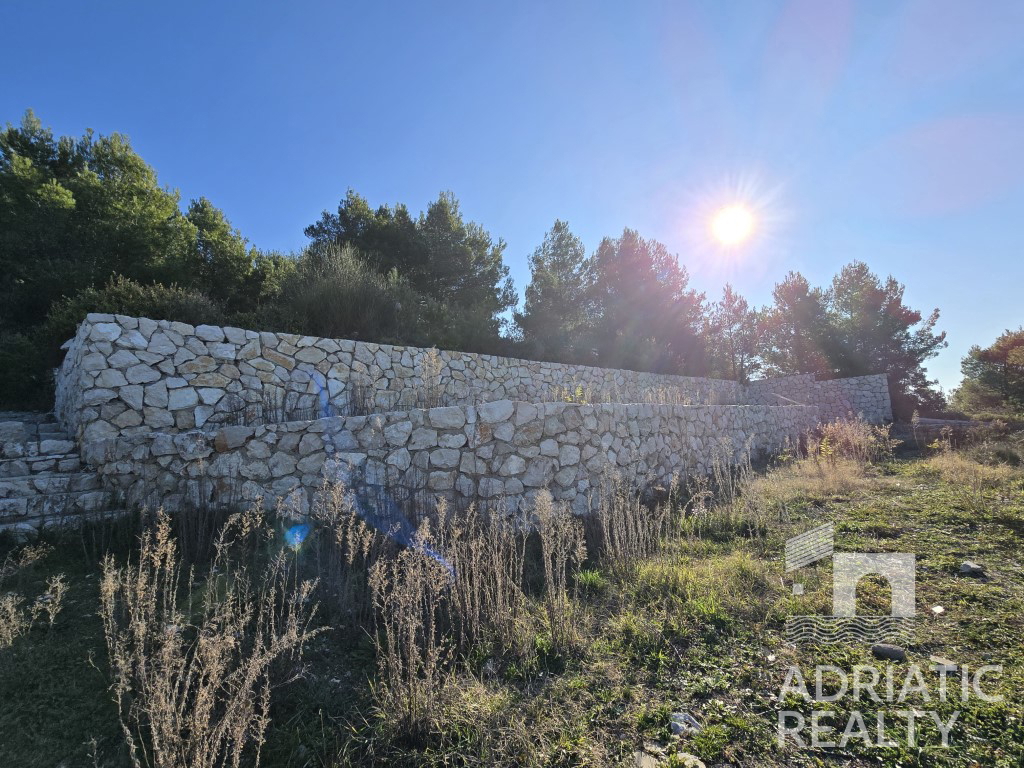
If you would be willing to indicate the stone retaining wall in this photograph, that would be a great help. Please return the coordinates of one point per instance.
(497, 452)
(866, 396)
(128, 376)
(166, 411)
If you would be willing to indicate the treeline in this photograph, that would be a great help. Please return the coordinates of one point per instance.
(993, 383)
(85, 227)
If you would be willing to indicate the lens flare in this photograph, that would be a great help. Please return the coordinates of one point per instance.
(297, 534)
(733, 224)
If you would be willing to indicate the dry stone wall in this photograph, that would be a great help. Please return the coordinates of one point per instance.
(499, 452)
(130, 376)
(167, 412)
(865, 396)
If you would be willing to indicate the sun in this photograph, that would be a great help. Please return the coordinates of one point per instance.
(732, 224)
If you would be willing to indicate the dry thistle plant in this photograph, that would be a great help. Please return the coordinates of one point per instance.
(629, 530)
(488, 557)
(192, 660)
(52, 600)
(15, 619)
(563, 549)
(409, 592)
(345, 549)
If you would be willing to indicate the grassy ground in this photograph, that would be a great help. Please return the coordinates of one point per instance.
(697, 629)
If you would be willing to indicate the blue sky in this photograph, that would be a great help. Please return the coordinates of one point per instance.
(884, 131)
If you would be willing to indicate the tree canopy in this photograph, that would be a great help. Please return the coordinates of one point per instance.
(442, 256)
(557, 316)
(993, 381)
(86, 226)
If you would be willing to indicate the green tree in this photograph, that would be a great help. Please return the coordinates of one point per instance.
(993, 377)
(797, 331)
(219, 259)
(875, 332)
(443, 257)
(735, 337)
(77, 213)
(648, 318)
(386, 237)
(556, 322)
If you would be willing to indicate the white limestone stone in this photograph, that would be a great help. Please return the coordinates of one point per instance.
(209, 333)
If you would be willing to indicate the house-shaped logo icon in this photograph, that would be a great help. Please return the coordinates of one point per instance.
(848, 568)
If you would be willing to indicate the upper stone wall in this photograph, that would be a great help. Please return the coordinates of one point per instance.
(126, 376)
(865, 396)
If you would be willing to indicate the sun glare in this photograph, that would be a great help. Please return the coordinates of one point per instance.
(732, 225)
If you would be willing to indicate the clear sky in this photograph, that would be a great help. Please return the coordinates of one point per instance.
(891, 132)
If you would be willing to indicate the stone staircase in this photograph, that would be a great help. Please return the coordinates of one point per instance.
(42, 480)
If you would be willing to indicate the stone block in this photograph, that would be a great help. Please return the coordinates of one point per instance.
(209, 333)
(447, 418)
(494, 412)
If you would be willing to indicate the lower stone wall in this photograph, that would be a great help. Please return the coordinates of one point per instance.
(497, 452)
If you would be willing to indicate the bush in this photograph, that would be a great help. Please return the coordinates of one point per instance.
(25, 380)
(27, 359)
(334, 293)
(123, 296)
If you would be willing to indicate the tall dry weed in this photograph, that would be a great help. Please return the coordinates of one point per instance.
(17, 615)
(194, 660)
(563, 550)
(345, 548)
(628, 529)
(431, 394)
(410, 592)
(487, 555)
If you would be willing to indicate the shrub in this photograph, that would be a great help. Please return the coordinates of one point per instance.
(124, 296)
(336, 294)
(26, 359)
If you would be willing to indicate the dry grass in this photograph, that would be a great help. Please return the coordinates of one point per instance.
(975, 485)
(629, 530)
(563, 550)
(853, 439)
(17, 618)
(413, 652)
(457, 589)
(345, 547)
(488, 560)
(193, 661)
(431, 394)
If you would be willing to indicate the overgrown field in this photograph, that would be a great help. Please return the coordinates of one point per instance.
(472, 644)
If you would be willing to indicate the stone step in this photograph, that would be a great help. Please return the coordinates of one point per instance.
(27, 528)
(33, 448)
(24, 430)
(34, 465)
(52, 506)
(48, 483)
